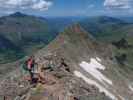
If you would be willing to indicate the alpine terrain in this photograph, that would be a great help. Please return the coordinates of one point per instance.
(76, 67)
(22, 34)
(66, 49)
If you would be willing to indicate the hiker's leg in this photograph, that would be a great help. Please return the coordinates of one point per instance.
(4, 98)
(31, 76)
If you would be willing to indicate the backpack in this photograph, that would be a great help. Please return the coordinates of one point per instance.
(30, 64)
(25, 66)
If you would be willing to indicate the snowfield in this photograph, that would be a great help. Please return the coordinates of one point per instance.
(131, 88)
(92, 82)
(93, 68)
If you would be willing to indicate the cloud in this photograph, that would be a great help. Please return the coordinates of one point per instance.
(118, 4)
(40, 5)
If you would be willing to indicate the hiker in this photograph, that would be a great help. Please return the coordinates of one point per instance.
(28, 66)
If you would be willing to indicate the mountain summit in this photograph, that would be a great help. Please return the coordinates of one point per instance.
(90, 60)
(25, 32)
(18, 14)
(75, 37)
(77, 67)
(74, 66)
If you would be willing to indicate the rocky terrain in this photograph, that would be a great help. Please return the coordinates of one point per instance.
(75, 67)
(59, 84)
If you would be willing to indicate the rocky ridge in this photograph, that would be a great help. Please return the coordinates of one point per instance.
(76, 67)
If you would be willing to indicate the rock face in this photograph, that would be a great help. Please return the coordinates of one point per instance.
(75, 67)
(93, 60)
(60, 82)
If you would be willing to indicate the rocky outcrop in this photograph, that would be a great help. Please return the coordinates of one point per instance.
(59, 83)
(74, 66)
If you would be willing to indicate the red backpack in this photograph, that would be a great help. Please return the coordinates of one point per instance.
(29, 63)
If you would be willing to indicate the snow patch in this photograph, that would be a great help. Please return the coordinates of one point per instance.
(92, 82)
(93, 68)
(98, 59)
(130, 87)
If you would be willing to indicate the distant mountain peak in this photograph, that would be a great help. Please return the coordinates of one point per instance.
(77, 30)
(107, 19)
(18, 14)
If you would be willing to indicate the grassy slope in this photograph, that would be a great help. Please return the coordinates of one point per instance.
(28, 33)
(108, 29)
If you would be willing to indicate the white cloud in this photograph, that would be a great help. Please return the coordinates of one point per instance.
(25, 4)
(42, 4)
(118, 4)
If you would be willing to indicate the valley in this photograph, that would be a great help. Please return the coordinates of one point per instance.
(96, 53)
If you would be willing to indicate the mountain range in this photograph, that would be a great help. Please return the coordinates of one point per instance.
(107, 28)
(23, 34)
(96, 53)
(90, 70)
(92, 61)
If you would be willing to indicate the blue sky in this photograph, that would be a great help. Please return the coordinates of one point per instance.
(68, 7)
(74, 7)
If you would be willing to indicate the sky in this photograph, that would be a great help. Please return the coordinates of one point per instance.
(68, 7)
